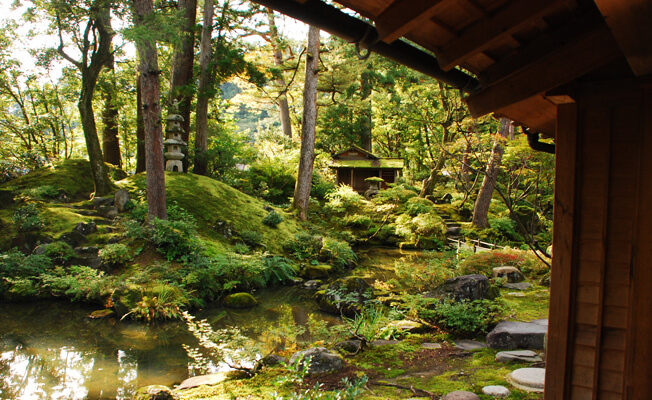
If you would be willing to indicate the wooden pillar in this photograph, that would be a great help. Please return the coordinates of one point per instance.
(600, 332)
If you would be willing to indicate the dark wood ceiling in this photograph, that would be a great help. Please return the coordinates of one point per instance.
(521, 51)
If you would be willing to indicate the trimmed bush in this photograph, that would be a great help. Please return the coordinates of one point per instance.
(272, 219)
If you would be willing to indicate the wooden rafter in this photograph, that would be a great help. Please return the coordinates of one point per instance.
(402, 16)
(631, 24)
(504, 23)
(584, 53)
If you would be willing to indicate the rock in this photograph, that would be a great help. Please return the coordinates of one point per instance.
(125, 298)
(102, 201)
(350, 346)
(312, 284)
(381, 342)
(100, 314)
(512, 274)
(431, 345)
(545, 281)
(73, 238)
(114, 239)
(211, 379)
(87, 250)
(469, 345)
(518, 355)
(528, 379)
(317, 271)
(240, 300)
(466, 287)
(460, 395)
(108, 212)
(516, 294)
(224, 228)
(496, 391)
(88, 257)
(344, 296)
(154, 392)
(453, 230)
(86, 229)
(518, 286)
(514, 335)
(272, 359)
(407, 326)
(319, 360)
(28, 241)
(120, 199)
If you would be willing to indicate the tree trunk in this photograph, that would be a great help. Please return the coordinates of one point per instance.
(141, 156)
(283, 108)
(182, 65)
(365, 113)
(110, 141)
(481, 208)
(307, 157)
(430, 182)
(203, 97)
(149, 72)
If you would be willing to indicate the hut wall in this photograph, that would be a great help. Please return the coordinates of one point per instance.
(600, 332)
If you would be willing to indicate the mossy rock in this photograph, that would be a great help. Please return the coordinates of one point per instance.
(240, 300)
(317, 271)
(125, 298)
(100, 314)
(155, 392)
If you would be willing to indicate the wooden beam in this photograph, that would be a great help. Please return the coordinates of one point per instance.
(630, 22)
(402, 16)
(544, 44)
(584, 53)
(483, 34)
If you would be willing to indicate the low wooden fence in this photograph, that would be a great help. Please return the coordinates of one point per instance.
(474, 245)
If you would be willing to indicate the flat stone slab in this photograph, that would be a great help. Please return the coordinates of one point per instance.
(469, 344)
(431, 346)
(528, 379)
(518, 286)
(460, 395)
(510, 335)
(516, 294)
(499, 392)
(518, 355)
(195, 381)
(384, 342)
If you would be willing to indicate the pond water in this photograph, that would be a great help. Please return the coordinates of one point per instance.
(52, 350)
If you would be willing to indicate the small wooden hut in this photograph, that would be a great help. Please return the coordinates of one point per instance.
(356, 164)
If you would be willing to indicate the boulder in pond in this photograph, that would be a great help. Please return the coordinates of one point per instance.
(240, 300)
(511, 335)
(344, 296)
(125, 298)
(155, 392)
(318, 359)
(512, 274)
(465, 287)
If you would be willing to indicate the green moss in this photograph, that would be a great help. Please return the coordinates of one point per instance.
(240, 300)
(533, 306)
(60, 218)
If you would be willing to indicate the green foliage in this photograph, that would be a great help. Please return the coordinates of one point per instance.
(162, 302)
(504, 229)
(433, 271)
(342, 199)
(304, 246)
(272, 219)
(465, 318)
(352, 390)
(395, 194)
(175, 240)
(60, 251)
(115, 253)
(40, 192)
(321, 186)
(338, 253)
(485, 261)
(277, 270)
(79, 283)
(241, 248)
(28, 218)
(270, 179)
(369, 324)
(251, 238)
(16, 264)
(417, 205)
(423, 226)
(357, 220)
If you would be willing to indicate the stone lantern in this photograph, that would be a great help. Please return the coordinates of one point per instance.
(174, 142)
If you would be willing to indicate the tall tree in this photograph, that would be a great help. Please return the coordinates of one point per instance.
(181, 85)
(95, 47)
(110, 139)
(307, 157)
(203, 95)
(149, 75)
(277, 45)
(141, 154)
(481, 208)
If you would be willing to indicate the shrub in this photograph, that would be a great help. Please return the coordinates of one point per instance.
(338, 253)
(357, 220)
(484, 262)
(320, 186)
(277, 270)
(466, 318)
(41, 192)
(435, 268)
(115, 253)
(162, 302)
(176, 240)
(251, 238)
(504, 229)
(241, 248)
(396, 194)
(414, 229)
(16, 264)
(60, 251)
(418, 205)
(272, 219)
(342, 199)
(27, 218)
(79, 283)
(304, 246)
(271, 179)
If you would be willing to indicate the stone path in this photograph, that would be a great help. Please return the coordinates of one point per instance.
(528, 379)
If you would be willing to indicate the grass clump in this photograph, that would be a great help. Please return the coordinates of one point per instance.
(272, 219)
(484, 262)
(342, 199)
(465, 318)
(28, 218)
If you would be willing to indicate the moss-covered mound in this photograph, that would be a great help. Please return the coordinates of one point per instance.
(223, 214)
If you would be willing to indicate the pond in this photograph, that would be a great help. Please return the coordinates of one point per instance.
(52, 350)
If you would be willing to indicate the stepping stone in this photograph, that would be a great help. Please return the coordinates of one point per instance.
(499, 392)
(518, 286)
(460, 395)
(195, 381)
(513, 335)
(518, 355)
(528, 379)
(431, 346)
(469, 344)
(384, 342)
(516, 294)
